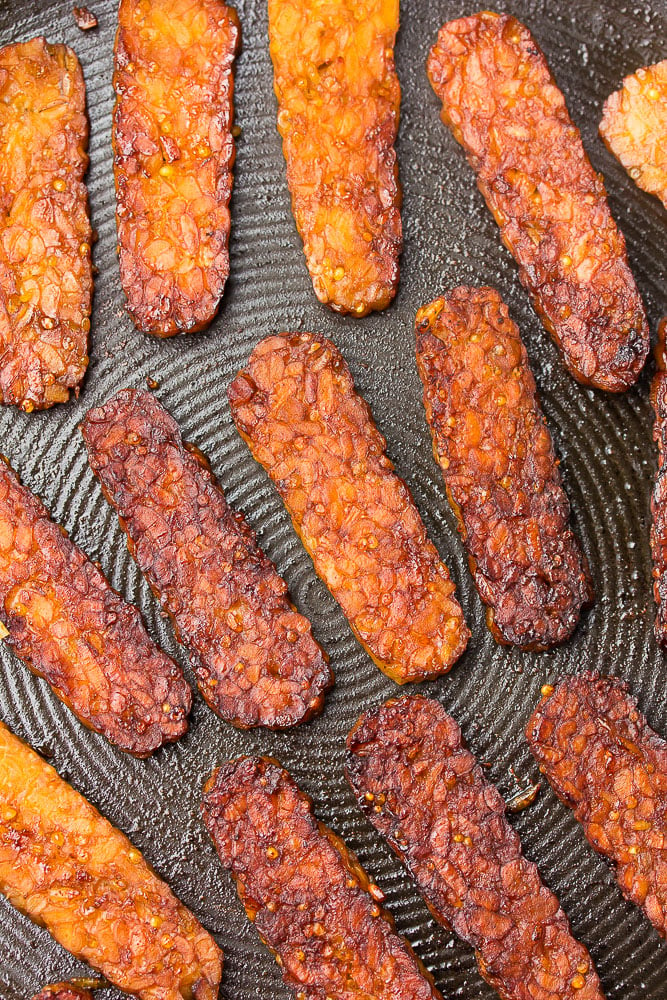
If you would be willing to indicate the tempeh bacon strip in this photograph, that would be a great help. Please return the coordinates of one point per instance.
(496, 455)
(46, 281)
(254, 656)
(634, 127)
(424, 791)
(502, 105)
(659, 494)
(338, 109)
(64, 991)
(296, 406)
(307, 895)
(72, 872)
(68, 625)
(173, 158)
(604, 761)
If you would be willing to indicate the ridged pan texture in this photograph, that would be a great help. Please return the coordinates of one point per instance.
(607, 465)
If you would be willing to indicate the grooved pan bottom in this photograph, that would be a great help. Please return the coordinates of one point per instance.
(607, 463)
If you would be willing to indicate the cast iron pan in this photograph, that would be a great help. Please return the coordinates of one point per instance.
(607, 461)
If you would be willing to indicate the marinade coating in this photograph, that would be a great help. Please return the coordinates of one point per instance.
(254, 656)
(659, 494)
(173, 158)
(503, 106)
(72, 872)
(71, 628)
(338, 110)
(64, 991)
(46, 279)
(604, 761)
(307, 895)
(496, 455)
(424, 791)
(634, 127)
(295, 404)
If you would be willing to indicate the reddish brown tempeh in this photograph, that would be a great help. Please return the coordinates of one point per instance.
(634, 127)
(423, 790)
(71, 871)
(296, 406)
(659, 495)
(46, 281)
(173, 158)
(501, 473)
(502, 105)
(338, 109)
(309, 898)
(604, 761)
(64, 991)
(70, 627)
(254, 656)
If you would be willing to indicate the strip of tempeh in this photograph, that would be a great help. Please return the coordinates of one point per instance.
(71, 871)
(501, 473)
(46, 280)
(634, 127)
(604, 761)
(659, 494)
(502, 105)
(296, 406)
(255, 657)
(423, 790)
(64, 991)
(173, 158)
(309, 898)
(338, 109)
(70, 627)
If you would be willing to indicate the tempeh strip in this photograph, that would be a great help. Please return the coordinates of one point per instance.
(424, 791)
(659, 494)
(604, 761)
(500, 470)
(296, 406)
(46, 280)
(502, 105)
(254, 656)
(634, 127)
(72, 629)
(306, 893)
(71, 871)
(64, 991)
(173, 158)
(338, 109)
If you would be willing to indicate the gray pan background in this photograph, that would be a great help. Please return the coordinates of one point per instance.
(607, 461)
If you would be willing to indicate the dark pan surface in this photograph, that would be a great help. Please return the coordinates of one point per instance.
(604, 442)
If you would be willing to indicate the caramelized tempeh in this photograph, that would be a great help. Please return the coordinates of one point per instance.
(70, 627)
(255, 657)
(46, 281)
(659, 494)
(296, 406)
(69, 870)
(64, 991)
(634, 127)
(338, 109)
(173, 158)
(307, 895)
(502, 105)
(604, 761)
(423, 790)
(502, 478)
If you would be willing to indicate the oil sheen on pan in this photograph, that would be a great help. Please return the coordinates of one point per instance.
(502, 105)
(338, 109)
(254, 655)
(173, 158)
(71, 871)
(46, 280)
